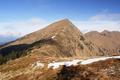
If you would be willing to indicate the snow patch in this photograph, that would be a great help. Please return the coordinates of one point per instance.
(89, 61)
(38, 64)
(56, 65)
(117, 57)
(53, 37)
(73, 62)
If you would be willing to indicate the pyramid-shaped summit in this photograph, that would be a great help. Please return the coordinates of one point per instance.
(60, 39)
(50, 30)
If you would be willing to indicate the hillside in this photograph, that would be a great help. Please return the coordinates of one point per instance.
(109, 41)
(60, 39)
(41, 55)
(101, 70)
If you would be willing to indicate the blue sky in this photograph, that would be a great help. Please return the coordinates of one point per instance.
(20, 17)
(12, 10)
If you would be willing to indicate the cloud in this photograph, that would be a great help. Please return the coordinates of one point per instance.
(100, 22)
(21, 28)
(10, 31)
(106, 17)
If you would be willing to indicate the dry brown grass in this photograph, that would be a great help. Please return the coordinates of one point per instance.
(102, 70)
(108, 41)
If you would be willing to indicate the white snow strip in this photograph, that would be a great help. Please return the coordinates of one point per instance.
(117, 57)
(56, 65)
(89, 61)
(73, 62)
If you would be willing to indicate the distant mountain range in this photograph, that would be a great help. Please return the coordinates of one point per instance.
(108, 41)
(6, 38)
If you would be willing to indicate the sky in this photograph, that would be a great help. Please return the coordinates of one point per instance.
(20, 17)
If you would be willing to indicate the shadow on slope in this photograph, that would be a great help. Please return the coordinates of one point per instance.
(16, 51)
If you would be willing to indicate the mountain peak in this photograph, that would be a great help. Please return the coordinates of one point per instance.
(62, 35)
(105, 31)
(62, 23)
(59, 39)
(64, 20)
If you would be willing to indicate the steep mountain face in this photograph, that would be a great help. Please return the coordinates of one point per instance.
(60, 39)
(108, 41)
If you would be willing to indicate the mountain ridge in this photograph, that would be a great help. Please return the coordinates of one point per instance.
(107, 40)
(59, 39)
(29, 57)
